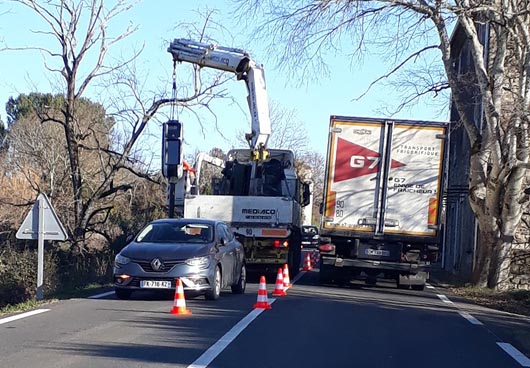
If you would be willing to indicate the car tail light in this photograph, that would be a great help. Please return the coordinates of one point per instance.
(325, 248)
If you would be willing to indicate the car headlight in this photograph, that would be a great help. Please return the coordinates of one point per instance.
(198, 261)
(315, 237)
(121, 260)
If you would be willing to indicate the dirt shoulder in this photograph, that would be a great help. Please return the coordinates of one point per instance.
(515, 301)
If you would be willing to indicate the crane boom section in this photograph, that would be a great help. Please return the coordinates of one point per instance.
(238, 62)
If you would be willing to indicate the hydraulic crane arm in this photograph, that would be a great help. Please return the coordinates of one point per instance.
(239, 62)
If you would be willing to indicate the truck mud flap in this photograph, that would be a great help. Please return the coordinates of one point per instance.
(414, 281)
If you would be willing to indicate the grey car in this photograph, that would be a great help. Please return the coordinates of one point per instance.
(310, 237)
(204, 254)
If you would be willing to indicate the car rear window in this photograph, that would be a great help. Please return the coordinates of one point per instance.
(176, 233)
(310, 230)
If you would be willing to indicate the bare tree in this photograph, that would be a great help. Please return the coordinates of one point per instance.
(405, 31)
(80, 30)
(287, 130)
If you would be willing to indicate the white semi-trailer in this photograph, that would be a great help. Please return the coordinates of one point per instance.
(382, 200)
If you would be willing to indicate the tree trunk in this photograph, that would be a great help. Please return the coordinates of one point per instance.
(492, 269)
(499, 274)
(483, 260)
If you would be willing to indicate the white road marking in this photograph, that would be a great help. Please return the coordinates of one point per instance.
(101, 295)
(470, 318)
(430, 286)
(209, 355)
(297, 277)
(444, 299)
(22, 315)
(515, 354)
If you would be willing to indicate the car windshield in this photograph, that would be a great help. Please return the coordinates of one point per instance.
(165, 232)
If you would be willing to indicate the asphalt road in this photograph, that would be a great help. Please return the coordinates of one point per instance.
(313, 326)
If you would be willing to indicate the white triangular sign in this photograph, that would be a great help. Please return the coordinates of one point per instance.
(52, 229)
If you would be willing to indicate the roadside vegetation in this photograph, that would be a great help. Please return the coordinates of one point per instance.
(513, 301)
(76, 292)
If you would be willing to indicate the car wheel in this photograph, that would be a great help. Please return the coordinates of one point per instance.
(215, 291)
(239, 288)
(123, 294)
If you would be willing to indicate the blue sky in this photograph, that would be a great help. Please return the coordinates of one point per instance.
(313, 101)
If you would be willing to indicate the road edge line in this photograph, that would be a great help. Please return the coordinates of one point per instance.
(22, 315)
(97, 296)
(515, 354)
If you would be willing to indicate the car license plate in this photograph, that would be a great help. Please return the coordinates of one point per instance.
(155, 284)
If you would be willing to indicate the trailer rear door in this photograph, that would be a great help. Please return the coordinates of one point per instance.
(384, 176)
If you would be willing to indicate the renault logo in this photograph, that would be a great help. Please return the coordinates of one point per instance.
(157, 264)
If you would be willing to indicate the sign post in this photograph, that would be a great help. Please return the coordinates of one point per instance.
(41, 223)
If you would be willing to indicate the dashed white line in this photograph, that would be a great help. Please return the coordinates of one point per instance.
(508, 348)
(470, 318)
(515, 354)
(430, 287)
(22, 315)
(209, 355)
(444, 299)
(102, 295)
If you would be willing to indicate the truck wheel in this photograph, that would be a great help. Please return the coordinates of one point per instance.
(418, 287)
(372, 281)
(325, 274)
(293, 261)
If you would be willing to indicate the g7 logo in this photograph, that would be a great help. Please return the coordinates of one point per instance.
(362, 161)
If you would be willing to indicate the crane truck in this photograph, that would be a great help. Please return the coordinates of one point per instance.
(382, 204)
(257, 191)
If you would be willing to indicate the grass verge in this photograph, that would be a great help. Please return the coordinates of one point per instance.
(79, 292)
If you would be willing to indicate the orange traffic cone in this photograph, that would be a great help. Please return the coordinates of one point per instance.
(286, 281)
(314, 259)
(307, 263)
(279, 289)
(263, 301)
(179, 303)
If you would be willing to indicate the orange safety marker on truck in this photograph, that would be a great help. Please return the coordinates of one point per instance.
(433, 209)
(330, 205)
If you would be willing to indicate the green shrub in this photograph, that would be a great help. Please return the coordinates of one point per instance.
(18, 275)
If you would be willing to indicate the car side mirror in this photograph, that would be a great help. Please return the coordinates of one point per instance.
(222, 242)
